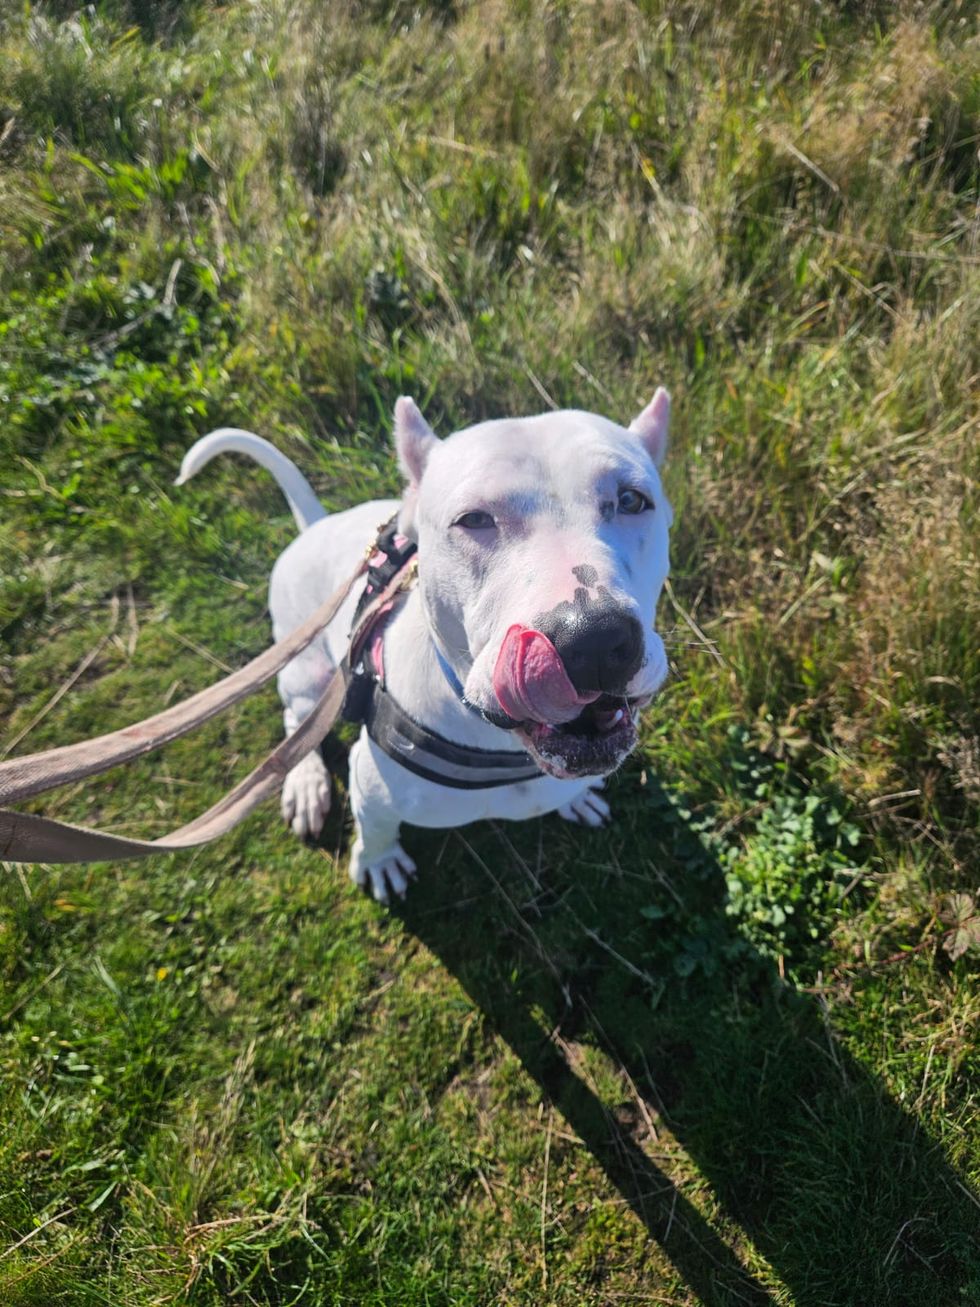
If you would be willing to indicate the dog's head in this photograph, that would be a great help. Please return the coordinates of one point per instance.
(543, 549)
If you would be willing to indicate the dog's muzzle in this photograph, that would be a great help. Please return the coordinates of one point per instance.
(574, 720)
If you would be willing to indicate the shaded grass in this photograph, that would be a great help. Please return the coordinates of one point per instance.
(718, 1053)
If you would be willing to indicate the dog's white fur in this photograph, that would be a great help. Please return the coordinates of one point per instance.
(549, 483)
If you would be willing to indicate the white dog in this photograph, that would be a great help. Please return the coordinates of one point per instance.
(509, 681)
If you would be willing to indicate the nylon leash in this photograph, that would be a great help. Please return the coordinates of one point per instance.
(25, 837)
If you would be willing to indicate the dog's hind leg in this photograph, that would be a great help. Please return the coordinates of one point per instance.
(306, 789)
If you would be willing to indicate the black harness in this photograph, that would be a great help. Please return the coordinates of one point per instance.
(412, 745)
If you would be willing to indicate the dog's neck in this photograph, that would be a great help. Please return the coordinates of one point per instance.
(413, 676)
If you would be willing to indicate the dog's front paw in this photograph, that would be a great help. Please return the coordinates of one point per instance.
(588, 809)
(386, 873)
(306, 797)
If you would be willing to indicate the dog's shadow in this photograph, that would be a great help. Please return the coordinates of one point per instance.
(838, 1189)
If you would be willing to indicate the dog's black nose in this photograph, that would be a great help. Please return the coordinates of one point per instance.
(601, 648)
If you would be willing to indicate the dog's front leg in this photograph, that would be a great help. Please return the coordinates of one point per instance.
(377, 860)
(588, 808)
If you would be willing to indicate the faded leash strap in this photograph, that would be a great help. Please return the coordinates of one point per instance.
(28, 838)
(21, 778)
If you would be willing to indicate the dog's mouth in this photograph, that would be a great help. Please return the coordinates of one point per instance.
(568, 731)
(592, 744)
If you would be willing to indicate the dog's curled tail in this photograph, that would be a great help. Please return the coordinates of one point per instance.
(300, 496)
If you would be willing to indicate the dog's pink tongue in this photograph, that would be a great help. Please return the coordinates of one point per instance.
(530, 681)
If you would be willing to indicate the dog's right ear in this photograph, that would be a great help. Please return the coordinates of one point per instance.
(414, 440)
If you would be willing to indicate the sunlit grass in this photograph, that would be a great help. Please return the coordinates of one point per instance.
(226, 1078)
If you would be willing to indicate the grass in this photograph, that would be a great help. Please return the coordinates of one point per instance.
(724, 1052)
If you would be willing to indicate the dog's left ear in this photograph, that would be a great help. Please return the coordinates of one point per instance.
(414, 439)
(651, 425)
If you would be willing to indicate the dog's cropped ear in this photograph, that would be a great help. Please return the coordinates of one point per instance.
(414, 442)
(651, 425)
(414, 439)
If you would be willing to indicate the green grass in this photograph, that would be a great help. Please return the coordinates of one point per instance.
(723, 1052)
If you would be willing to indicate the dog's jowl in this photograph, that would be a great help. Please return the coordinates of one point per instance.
(507, 680)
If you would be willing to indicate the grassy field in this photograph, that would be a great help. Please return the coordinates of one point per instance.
(725, 1052)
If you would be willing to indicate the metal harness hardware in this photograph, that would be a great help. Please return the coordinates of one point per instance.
(388, 559)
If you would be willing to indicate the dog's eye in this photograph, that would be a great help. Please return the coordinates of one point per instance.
(633, 501)
(476, 521)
